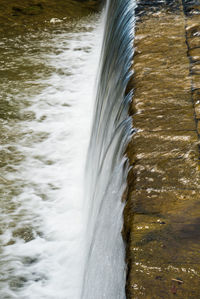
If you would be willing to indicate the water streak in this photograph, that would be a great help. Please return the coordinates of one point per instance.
(106, 169)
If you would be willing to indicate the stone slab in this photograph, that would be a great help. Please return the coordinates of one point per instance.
(162, 212)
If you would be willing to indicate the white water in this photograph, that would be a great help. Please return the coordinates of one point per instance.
(107, 166)
(42, 198)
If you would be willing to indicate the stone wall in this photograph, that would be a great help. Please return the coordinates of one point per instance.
(162, 213)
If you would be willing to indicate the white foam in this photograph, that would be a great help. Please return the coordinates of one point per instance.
(50, 178)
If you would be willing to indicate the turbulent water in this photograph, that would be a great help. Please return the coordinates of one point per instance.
(60, 213)
(47, 82)
(106, 170)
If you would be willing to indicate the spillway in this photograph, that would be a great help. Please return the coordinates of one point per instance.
(106, 169)
(63, 173)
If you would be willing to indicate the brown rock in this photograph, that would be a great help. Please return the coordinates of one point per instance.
(161, 217)
(197, 110)
(194, 42)
(196, 81)
(196, 95)
(193, 30)
(194, 54)
(198, 127)
(195, 69)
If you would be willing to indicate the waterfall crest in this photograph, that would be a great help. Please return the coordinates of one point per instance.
(106, 169)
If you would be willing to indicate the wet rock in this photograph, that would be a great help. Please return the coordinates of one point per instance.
(193, 9)
(194, 54)
(197, 110)
(194, 42)
(196, 95)
(25, 233)
(196, 81)
(198, 127)
(193, 30)
(195, 69)
(161, 216)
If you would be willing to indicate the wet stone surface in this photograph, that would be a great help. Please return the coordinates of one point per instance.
(162, 213)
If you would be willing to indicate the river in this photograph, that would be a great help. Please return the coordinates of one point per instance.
(64, 136)
(47, 83)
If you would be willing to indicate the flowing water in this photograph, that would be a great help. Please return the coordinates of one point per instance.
(106, 170)
(47, 83)
(58, 222)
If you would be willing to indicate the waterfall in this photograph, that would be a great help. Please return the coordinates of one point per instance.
(107, 167)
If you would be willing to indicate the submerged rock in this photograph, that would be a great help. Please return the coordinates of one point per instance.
(18, 16)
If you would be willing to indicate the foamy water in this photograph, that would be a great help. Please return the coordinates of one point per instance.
(107, 165)
(49, 86)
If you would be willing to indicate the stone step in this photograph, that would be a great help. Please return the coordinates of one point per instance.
(162, 212)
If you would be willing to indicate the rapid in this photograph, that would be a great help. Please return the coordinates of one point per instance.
(64, 131)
